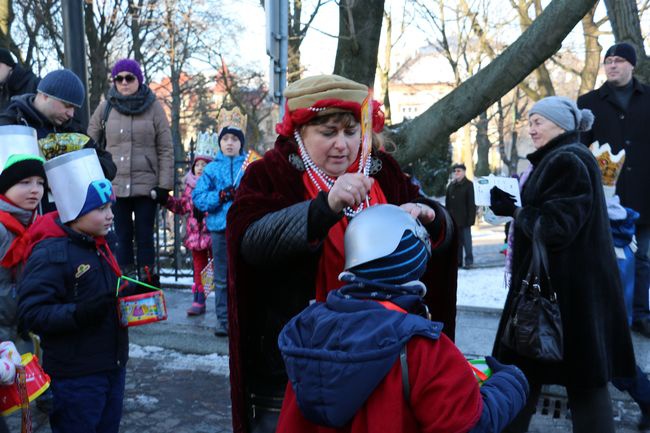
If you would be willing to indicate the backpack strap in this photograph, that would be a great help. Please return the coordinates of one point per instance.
(406, 387)
(107, 111)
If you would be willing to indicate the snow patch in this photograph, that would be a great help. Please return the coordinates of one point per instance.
(481, 287)
(172, 360)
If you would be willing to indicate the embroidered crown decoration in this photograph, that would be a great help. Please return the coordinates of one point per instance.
(207, 144)
(610, 164)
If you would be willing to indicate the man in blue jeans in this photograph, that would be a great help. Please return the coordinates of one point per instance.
(214, 193)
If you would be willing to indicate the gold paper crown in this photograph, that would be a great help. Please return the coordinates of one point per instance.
(233, 118)
(610, 164)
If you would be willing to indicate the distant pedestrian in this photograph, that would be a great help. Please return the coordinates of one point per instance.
(214, 193)
(460, 204)
(136, 131)
(67, 295)
(14, 79)
(562, 195)
(197, 236)
(622, 110)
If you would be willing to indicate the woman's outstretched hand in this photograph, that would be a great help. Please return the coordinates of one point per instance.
(420, 211)
(350, 189)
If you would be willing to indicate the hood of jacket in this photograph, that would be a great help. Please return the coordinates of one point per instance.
(20, 77)
(336, 353)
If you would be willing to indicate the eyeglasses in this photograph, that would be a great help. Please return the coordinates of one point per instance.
(128, 78)
(611, 60)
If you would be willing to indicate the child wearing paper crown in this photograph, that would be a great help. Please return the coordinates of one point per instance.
(370, 359)
(67, 295)
(214, 193)
(197, 236)
(21, 188)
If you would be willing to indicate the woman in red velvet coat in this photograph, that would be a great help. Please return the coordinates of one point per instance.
(285, 233)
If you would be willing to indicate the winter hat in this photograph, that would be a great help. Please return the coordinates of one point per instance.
(623, 50)
(128, 65)
(63, 85)
(234, 131)
(564, 113)
(459, 165)
(322, 95)
(7, 58)
(99, 193)
(19, 167)
(407, 263)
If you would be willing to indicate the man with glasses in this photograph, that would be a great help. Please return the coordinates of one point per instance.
(621, 108)
(51, 110)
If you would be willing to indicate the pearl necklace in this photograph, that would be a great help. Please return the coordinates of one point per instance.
(313, 171)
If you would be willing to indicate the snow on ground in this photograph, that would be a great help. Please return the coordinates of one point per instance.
(172, 360)
(481, 287)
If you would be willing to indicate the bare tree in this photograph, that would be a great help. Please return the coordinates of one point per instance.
(297, 32)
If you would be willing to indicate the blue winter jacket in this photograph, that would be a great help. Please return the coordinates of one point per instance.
(60, 272)
(223, 172)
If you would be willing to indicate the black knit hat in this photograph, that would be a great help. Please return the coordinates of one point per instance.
(21, 169)
(7, 58)
(236, 132)
(623, 50)
(459, 165)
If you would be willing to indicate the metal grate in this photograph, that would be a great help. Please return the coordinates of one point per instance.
(553, 406)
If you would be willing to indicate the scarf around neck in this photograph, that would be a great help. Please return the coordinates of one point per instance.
(131, 104)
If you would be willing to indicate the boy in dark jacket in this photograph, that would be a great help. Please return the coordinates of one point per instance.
(67, 296)
(369, 359)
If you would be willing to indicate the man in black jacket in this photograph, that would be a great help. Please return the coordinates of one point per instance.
(51, 110)
(460, 204)
(622, 110)
(14, 79)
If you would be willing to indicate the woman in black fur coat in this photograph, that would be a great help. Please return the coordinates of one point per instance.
(562, 189)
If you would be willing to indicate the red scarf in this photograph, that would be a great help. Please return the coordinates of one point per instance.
(16, 251)
(332, 260)
(107, 254)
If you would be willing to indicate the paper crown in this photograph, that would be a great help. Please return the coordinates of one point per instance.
(207, 144)
(233, 118)
(69, 177)
(17, 140)
(610, 165)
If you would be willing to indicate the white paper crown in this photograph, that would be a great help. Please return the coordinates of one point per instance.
(17, 140)
(610, 165)
(68, 176)
(207, 144)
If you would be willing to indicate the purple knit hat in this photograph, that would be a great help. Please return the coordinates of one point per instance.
(128, 65)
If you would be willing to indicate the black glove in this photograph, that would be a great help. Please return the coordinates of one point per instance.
(92, 311)
(502, 203)
(197, 213)
(160, 195)
(227, 194)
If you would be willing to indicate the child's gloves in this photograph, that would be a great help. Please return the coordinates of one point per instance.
(502, 203)
(227, 194)
(9, 359)
(160, 195)
(92, 311)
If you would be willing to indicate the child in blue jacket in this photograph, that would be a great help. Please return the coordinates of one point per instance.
(67, 295)
(214, 193)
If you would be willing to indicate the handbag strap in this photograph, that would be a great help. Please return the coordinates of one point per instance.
(539, 268)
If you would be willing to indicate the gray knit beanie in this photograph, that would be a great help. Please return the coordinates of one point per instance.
(564, 113)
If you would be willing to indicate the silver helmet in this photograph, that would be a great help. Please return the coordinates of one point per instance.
(376, 232)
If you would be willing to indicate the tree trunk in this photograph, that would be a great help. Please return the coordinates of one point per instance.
(430, 131)
(97, 57)
(384, 72)
(593, 48)
(359, 32)
(294, 68)
(624, 18)
(482, 146)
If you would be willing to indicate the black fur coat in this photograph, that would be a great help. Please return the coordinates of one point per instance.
(564, 191)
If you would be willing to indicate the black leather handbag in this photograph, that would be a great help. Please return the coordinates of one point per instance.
(534, 327)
